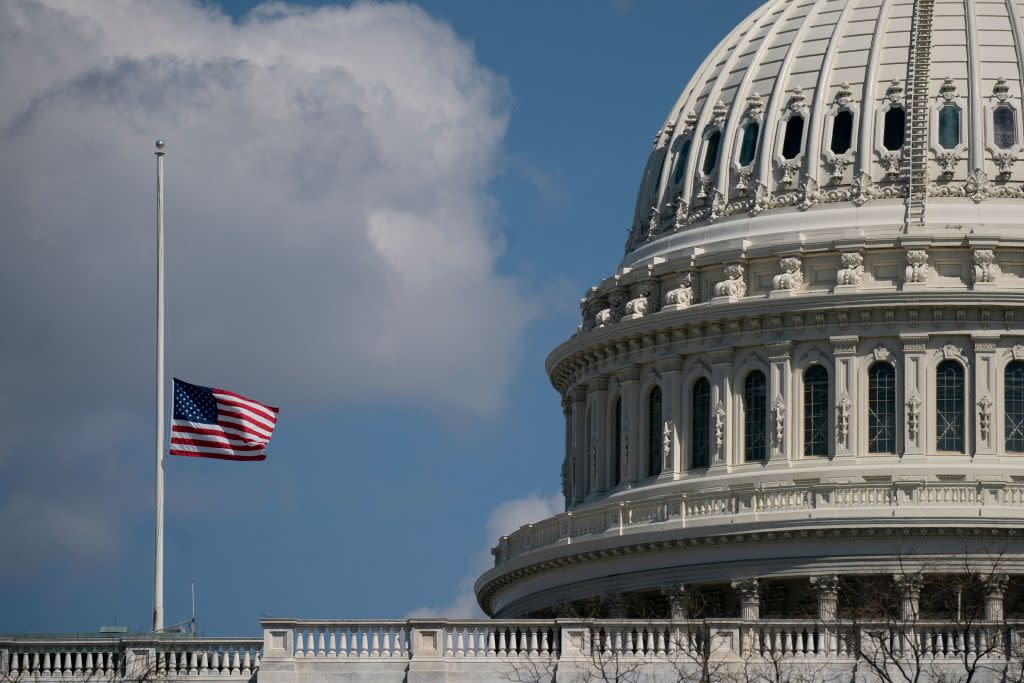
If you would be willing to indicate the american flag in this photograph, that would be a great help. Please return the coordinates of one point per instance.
(216, 423)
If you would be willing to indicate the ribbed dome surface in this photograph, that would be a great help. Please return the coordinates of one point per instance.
(730, 148)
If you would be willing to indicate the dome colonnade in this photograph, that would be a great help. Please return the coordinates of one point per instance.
(810, 360)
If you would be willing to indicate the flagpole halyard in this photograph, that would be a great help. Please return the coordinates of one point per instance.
(158, 560)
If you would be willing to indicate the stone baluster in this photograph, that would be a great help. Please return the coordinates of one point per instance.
(246, 662)
(321, 641)
(364, 642)
(502, 649)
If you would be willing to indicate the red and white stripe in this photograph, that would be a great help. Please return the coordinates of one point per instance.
(242, 431)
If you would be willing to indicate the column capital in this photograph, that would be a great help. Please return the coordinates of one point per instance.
(630, 374)
(827, 584)
(672, 364)
(914, 342)
(995, 584)
(677, 600)
(579, 394)
(780, 350)
(598, 384)
(844, 345)
(908, 584)
(749, 589)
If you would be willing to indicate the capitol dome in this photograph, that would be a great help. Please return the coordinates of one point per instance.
(808, 365)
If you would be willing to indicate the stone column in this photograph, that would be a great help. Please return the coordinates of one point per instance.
(750, 598)
(579, 443)
(671, 370)
(567, 463)
(678, 607)
(995, 589)
(827, 589)
(722, 409)
(986, 398)
(780, 404)
(629, 390)
(915, 388)
(844, 352)
(598, 447)
(909, 587)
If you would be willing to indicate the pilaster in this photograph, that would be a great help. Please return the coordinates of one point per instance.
(597, 450)
(722, 409)
(671, 370)
(985, 396)
(917, 422)
(629, 390)
(579, 440)
(780, 404)
(844, 353)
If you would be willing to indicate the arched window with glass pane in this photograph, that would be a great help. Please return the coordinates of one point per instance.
(1004, 126)
(700, 423)
(842, 132)
(894, 129)
(755, 417)
(949, 407)
(793, 139)
(654, 442)
(711, 152)
(949, 126)
(748, 147)
(684, 154)
(617, 447)
(1013, 406)
(816, 410)
(882, 408)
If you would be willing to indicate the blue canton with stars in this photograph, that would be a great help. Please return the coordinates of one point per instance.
(194, 403)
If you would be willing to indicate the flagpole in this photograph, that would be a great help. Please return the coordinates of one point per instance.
(158, 563)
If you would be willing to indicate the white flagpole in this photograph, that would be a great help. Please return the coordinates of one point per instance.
(158, 564)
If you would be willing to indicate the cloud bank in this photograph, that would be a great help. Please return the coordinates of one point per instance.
(330, 228)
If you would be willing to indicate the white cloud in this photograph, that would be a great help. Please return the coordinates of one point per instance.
(503, 520)
(330, 231)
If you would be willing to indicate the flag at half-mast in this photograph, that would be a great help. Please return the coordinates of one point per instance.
(216, 423)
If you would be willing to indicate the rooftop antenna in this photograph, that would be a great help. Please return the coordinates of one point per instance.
(194, 625)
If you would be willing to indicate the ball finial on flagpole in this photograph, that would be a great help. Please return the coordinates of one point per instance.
(159, 147)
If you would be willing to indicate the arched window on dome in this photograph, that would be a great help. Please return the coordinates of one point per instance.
(684, 155)
(816, 410)
(748, 146)
(700, 427)
(617, 447)
(654, 454)
(949, 407)
(793, 140)
(1013, 405)
(949, 126)
(711, 152)
(882, 408)
(842, 132)
(1004, 126)
(755, 417)
(894, 129)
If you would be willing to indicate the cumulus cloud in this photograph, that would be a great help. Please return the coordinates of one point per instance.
(504, 519)
(330, 231)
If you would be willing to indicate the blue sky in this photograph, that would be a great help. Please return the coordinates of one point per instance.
(383, 488)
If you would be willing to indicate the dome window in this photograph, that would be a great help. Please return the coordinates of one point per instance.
(816, 411)
(700, 429)
(711, 153)
(684, 154)
(894, 130)
(1004, 124)
(949, 126)
(1013, 399)
(617, 464)
(881, 408)
(842, 132)
(755, 417)
(793, 141)
(749, 145)
(949, 400)
(654, 453)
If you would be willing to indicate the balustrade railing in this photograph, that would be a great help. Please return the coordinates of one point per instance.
(378, 639)
(140, 658)
(699, 509)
